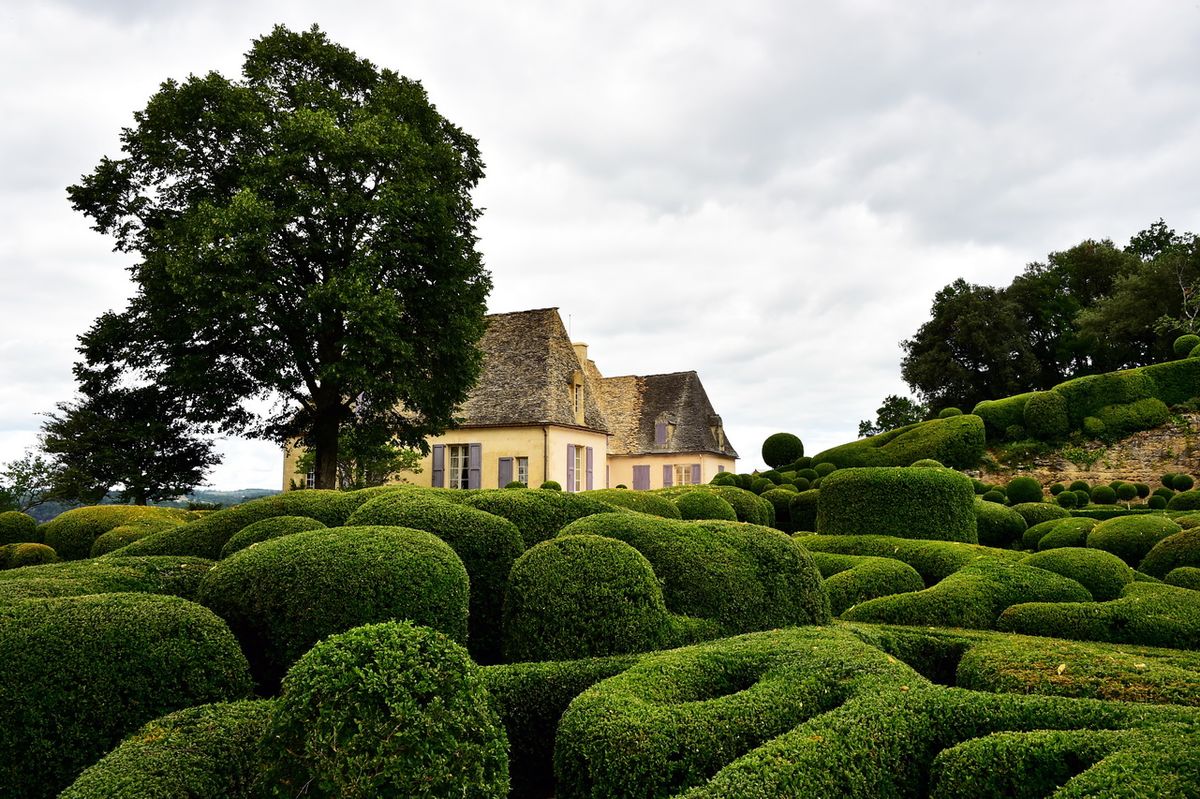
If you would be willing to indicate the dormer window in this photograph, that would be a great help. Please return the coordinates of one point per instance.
(577, 404)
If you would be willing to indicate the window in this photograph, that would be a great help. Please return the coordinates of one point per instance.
(523, 470)
(579, 470)
(310, 479)
(687, 474)
(578, 399)
(459, 467)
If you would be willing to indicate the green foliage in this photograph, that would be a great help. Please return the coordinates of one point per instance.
(1000, 414)
(282, 596)
(1023, 489)
(266, 529)
(1184, 577)
(73, 533)
(1103, 495)
(896, 411)
(539, 515)
(583, 596)
(1183, 346)
(17, 556)
(80, 673)
(1156, 503)
(780, 449)
(366, 458)
(27, 483)
(18, 528)
(993, 495)
(743, 577)
(125, 534)
(642, 501)
(248, 250)
(1185, 500)
(550, 485)
(748, 506)
(972, 597)
(1038, 512)
(205, 752)
(386, 710)
(1104, 575)
(143, 575)
(706, 505)
(487, 544)
(519, 484)
(802, 511)
(1146, 613)
(934, 504)
(850, 579)
(946, 413)
(933, 560)
(997, 525)
(1033, 535)
(1172, 552)
(1066, 533)
(1130, 538)
(1182, 482)
(1066, 499)
(957, 442)
(760, 484)
(1045, 416)
(1121, 420)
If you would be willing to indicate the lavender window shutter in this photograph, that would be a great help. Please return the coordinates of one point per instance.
(660, 433)
(721, 467)
(607, 476)
(439, 466)
(589, 469)
(474, 464)
(570, 486)
(667, 482)
(641, 478)
(506, 470)
(695, 474)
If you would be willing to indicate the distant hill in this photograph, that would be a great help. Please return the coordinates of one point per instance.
(44, 513)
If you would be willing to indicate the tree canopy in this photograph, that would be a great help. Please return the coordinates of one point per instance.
(304, 234)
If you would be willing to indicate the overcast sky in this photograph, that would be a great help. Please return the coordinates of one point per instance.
(768, 193)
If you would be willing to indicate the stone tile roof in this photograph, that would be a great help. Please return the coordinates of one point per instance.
(529, 367)
(635, 404)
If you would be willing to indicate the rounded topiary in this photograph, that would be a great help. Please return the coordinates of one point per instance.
(1079, 485)
(802, 511)
(1066, 533)
(551, 485)
(1184, 577)
(581, 596)
(802, 484)
(724, 479)
(538, 515)
(1103, 495)
(1185, 500)
(16, 556)
(387, 709)
(1024, 489)
(641, 501)
(1127, 492)
(825, 469)
(1046, 416)
(1093, 426)
(265, 530)
(1156, 503)
(145, 575)
(782, 449)
(1195, 353)
(72, 533)
(761, 484)
(119, 537)
(18, 528)
(1102, 573)
(80, 673)
(1163, 492)
(205, 752)
(998, 525)
(946, 413)
(1066, 499)
(519, 484)
(1130, 538)
(1182, 482)
(1172, 552)
(1056, 489)
(930, 463)
(773, 475)
(1167, 478)
(937, 504)
(282, 596)
(1014, 432)
(807, 473)
(706, 505)
(981, 487)
(1037, 512)
(1082, 498)
(1143, 490)
(1183, 346)
(992, 495)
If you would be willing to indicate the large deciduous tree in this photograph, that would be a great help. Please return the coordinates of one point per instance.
(305, 233)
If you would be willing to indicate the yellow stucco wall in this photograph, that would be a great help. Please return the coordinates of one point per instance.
(621, 466)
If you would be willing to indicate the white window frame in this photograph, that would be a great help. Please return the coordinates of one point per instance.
(522, 470)
(580, 466)
(458, 465)
(683, 474)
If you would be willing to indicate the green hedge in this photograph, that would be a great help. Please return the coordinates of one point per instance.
(998, 525)
(1151, 614)
(531, 698)
(1023, 489)
(1070, 533)
(17, 556)
(748, 506)
(387, 709)
(487, 544)
(18, 528)
(205, 752)
(933, 560)
(802, 511)
(123, 536)
(148, 575)
(1184, 501)
(641, 501)
(957, 441)
(1179, 549)
(1074, 528)
(1184, 577)
(583, 596)
(744, 577)
(1038, 512)
(971, 597)
(1045, 416)
(538, 514)
(781, 449)
(1121, 420)
(1104, 575)
(73, 532)
(707, 505)
(80, 673)
(282, 596)
(265, 530)
(852, 579)
(999, 415)
(928, 504)
(1130, 538)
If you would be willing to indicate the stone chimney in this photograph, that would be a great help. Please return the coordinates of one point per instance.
(580, 352)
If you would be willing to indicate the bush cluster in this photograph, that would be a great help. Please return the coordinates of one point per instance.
(265, 530)
(18, 528)
(640, 501)
(1184, 577)
(933, 560)
(1131, 538)
(1104, 575)
(705, 505)
(73, 532)
(1045, 416)
(931, 504)
(956, 441)
(1176, 550)
(997, 525)
(16, 556)
(1066, 533)
(1038, 512)
(144, 575)
(851, 579)
(538, 515)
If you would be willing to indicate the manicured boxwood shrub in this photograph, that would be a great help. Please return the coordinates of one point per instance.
(487, 544)
(1120, 420)
(997, 525)
(122, 536)
(1101, 573)
(1183, 346)
(1038, 512)
(1182, 482)
(1184, 577)
(1151, 614)
(531, 698)
(782, 449)
(760, 484)
(1156, 503)
(640, 501)
(388, 709)
(1178, 549)
(1066, 499)
(1175, 381)
(850, 579)
(265, 530)
(73, 532)
(957, 442)
(1185, 500)
(930, 504)
(994, 496)
(149, 575)
(706, 505)
(743, 577)
(999, 415)
(946, 413)
(1033, 534)
(1045, 416)
(748, 506)
(582, 596)
(551, 485)
(1023, 489)
(802, 511)
(538, 514)
(1103, 495)
(16, 556)
(1130, 538)
(80, 673)
(205, 752)
(18, 528)
(282, 596)
(1066, 533)
(933, 560)
(972, 597)
(930, 463)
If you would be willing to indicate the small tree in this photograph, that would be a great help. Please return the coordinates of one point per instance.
(27, 482)
(896, 411)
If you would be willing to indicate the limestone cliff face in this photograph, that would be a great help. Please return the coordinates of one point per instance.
(1143, 457)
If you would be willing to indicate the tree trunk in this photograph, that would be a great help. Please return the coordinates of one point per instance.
(325, 446)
